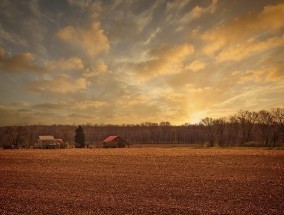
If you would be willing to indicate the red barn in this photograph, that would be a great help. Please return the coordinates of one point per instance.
(114, 142)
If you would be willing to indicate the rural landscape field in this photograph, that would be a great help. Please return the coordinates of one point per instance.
(178, 180)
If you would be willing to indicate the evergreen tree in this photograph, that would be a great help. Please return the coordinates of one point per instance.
(79, 137)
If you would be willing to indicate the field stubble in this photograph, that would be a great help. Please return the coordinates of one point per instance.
(142, 181)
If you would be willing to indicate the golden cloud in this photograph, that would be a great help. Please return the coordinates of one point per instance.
(190, 104)
(132, 100)
(24, 62)
(65, 65)
(163, 60)
(92, 39)
(243, 50)
(77, 106)
(62, 85)
(251, 98)
(89, 104)
(259, 75)
(268, 20)
(195, 66)
(97, 69)
(152, 106)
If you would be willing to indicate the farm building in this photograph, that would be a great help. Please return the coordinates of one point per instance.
(48, 142)
(114, 142)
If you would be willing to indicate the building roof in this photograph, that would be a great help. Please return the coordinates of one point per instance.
(112, 138)
(49, 137)
(109, 139)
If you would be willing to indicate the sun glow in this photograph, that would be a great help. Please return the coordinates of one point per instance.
(127, 62)
(196, 117)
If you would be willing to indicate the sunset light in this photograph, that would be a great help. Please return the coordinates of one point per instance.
(128, 62)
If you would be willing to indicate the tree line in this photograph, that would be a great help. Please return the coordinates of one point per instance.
(261, 128)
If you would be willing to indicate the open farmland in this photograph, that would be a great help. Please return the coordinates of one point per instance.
(142, 181)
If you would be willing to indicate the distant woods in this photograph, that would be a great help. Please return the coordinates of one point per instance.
(245, 128)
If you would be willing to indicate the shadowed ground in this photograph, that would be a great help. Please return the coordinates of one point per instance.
(142, 181)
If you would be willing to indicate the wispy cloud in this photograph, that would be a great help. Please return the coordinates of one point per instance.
(195, 66)
(199, 11)
(163, 60)
(61, 84)
(260, 75)
(245, 26)
(243, 50)
(132, 61)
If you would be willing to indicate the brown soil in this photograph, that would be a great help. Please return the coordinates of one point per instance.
(142, 181)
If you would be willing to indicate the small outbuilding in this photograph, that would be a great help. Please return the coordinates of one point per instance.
(114, 142)
(48, 142)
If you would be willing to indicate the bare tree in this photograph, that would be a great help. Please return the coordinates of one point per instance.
(17, 135)
(245, 126)
(247, 120)
(278, 125)
(210, 129)
(31, 135)
(165, 126)
(219, 127)
(67, 133)
(265, 121)
(232, 130)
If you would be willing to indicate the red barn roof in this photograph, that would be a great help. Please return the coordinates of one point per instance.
(114, 142)
(110, 139)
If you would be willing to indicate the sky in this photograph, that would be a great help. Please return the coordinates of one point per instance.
(133, 61)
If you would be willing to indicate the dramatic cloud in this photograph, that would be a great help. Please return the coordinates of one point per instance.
(62, 84)
(163, 60)
(92, 39)
(96, 69)
(65, 65)
(243, 50)
(24, 62)
(127, 62)
(269, 19)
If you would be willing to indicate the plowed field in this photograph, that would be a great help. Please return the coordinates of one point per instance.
(142, 181)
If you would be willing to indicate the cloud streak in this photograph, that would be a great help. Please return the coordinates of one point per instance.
(24, 62)
(269, 19)
(62, 84)
(248, 48)
(129, 62)
(162, 61)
